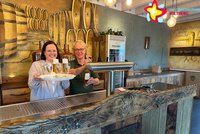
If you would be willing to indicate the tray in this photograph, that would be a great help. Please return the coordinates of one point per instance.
(57, 77)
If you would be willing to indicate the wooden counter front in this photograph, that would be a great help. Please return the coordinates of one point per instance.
(15, 93)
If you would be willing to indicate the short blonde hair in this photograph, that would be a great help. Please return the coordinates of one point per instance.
(79, 42)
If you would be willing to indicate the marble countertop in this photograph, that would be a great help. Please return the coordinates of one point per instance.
(150, 74)
(91, 110)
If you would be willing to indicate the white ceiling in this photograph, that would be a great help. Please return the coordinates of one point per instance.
(138, 6)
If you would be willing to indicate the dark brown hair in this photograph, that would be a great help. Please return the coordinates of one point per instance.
(44, 48)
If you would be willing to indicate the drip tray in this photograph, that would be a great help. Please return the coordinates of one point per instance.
(22, 111)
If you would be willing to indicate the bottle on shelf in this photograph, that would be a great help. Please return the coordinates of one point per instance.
(67, 54)
(37, 54)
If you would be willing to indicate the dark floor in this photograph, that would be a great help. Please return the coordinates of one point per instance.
(195, 122)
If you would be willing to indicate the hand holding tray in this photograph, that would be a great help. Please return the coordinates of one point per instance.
(57, 77)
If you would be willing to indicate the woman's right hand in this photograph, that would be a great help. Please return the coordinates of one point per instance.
(37, 77)
(88, 60)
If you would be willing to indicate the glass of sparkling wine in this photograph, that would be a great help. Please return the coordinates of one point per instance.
(48, 67)
(87, 77)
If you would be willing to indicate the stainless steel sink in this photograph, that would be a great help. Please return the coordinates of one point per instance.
(147, 73)
(143, 73)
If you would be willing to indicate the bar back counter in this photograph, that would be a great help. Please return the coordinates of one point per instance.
(165, 109)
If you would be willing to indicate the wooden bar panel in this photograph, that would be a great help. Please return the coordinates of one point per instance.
(184, 115)
(193, 78)
(154, 122)
(15, 95)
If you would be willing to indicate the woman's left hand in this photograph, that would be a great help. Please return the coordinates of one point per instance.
(91, 81)
(72, 71)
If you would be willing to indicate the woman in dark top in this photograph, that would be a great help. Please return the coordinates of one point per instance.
(78, 67)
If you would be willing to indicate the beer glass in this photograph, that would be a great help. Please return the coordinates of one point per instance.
(59, 68)
(87, 77)
(55, 62)
(66, 68)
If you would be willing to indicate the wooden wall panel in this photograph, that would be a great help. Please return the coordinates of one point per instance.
(50, 5)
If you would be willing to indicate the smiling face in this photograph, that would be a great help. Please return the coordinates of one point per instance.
(79, 51)
(50, 52)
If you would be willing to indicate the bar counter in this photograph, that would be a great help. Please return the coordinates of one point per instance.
(167, 76)
(89, 113)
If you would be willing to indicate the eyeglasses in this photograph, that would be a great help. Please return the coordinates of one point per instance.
(80, 49)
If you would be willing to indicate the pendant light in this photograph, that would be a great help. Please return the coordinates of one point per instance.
(165, 15)
(171, 22)
(129, 2)
(109, 3)
(176, 11)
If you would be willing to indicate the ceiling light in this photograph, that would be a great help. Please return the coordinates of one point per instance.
(175, 15)
(165, 16)
(171, 22)
(176, 11)
(129, 2)
(109, 3)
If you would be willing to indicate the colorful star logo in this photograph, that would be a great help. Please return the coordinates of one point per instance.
(155, 11)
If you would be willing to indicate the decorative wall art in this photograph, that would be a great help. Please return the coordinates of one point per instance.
(184, 46)
(25, 25)
(185, 51)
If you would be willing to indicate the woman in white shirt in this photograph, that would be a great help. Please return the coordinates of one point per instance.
(41, 89)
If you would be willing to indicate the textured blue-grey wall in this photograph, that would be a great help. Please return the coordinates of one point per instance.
(135, 29)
